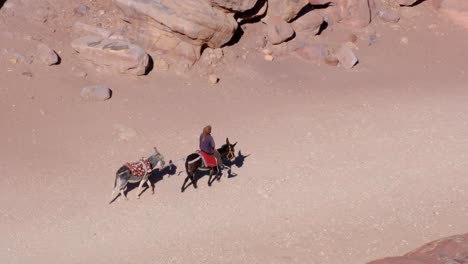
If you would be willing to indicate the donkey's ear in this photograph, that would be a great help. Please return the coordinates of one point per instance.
(234, 144)
(227, 141)
(156, 150)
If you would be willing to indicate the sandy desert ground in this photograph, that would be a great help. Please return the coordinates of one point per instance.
(335, 166)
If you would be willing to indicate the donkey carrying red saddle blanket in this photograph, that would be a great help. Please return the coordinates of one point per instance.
(139, 168)
(209, 161)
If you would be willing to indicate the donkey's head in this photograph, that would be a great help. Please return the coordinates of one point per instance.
(156, 159)
(231, 153)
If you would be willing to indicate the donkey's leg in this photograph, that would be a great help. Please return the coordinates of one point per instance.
(211, 175)
(139, 188)
(148, 182)
(185, 182)
(219, 173)
(122, 192)
(194, 181)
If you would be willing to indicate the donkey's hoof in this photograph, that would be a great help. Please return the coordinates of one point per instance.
(209, 184)
(182, 190)
(138, 197)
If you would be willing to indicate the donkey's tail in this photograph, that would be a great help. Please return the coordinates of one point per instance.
(186, 166)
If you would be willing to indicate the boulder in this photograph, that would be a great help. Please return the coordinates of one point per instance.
(319, 2)
(452, 249)
(160, 64)
(387, 10)
(279, 31)
(258, 11)
(119, 55)
(407, 2)
(286, 9)
(46, 55)
(193, 21)
(96, 93)
(211, 56)
(332, 14)
(346, 56)
(356, 13)
(309, 23)
(163, 43)
(234, 5)
(84, 29)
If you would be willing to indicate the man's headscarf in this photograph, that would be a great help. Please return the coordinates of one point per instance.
(206, 131)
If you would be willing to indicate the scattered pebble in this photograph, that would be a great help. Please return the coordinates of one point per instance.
(81, 10)
(268, 57)
(96, 93)
(213, 79)
(47, 55)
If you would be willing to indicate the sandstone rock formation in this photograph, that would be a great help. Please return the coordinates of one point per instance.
(181, 28)
(452, 249)
(176, 33)
(279, 31)
(119, 55)
(309, 24)
(286, 9)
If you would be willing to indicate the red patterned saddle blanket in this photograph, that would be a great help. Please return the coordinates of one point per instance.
(139, 168)
(209, 161)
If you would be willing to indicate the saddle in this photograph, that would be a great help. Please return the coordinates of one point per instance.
(139, 168)
(208, 160)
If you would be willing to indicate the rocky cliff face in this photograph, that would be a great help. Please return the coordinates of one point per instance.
(178, 34)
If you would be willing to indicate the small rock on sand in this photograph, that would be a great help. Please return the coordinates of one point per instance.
(268, 57)
(81, 10)
(47, 55)
(96, 93)
(346, 57)
(213, 79)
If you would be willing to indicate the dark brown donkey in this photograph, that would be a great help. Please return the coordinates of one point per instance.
(193, 162)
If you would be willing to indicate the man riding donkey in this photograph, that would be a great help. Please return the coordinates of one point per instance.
(207, 146)
(208, 158)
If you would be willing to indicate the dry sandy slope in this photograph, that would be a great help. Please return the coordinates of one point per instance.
(344, 166)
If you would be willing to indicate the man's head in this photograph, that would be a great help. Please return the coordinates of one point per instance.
(207, 130)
